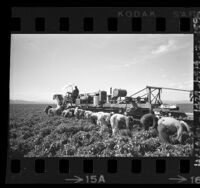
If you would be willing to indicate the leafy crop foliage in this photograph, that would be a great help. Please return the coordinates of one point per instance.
(33, 134)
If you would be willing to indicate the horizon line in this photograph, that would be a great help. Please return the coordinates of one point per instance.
(48, 101)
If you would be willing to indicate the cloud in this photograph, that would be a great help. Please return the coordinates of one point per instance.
(124, 64)
(164, 47)
(147, 56)
(164, 75)
(170, 46)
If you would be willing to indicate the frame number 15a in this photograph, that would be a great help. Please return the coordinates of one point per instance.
(95, 179)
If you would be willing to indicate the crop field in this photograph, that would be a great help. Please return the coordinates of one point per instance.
(186, 107)
(33, 134)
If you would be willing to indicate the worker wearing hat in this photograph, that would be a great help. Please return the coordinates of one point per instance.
(75, 94)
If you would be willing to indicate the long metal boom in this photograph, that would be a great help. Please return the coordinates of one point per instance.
(138, 92)
(168, 88)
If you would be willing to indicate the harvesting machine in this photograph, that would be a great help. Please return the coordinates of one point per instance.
(142, 102)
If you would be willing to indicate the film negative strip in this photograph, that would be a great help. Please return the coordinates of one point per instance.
(196, 88)
(94, 137)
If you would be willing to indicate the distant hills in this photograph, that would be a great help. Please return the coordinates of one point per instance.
(28, 102)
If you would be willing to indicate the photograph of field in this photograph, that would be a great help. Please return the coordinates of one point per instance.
(101, 95)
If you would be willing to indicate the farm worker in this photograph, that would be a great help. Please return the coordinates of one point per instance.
(75, 93)
(130, 111)
(138, 99)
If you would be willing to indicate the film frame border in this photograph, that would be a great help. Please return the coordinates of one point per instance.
(181, 21)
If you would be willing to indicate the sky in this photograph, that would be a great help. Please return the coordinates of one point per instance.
(41, 64)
